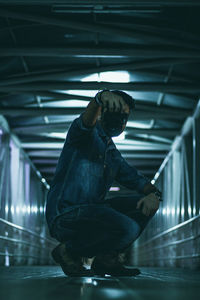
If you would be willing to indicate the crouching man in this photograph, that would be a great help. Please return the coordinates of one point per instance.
(78, 214)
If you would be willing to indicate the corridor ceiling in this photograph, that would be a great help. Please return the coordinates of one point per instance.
(56, 55)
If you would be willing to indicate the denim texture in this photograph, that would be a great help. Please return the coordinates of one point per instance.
(101, 229)
(88, 165)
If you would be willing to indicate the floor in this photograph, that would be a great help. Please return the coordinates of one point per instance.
(49, 282)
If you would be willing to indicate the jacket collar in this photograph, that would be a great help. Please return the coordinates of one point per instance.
(100, 129)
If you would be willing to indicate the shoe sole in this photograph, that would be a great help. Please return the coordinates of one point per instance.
(57, 258)
(130, 272)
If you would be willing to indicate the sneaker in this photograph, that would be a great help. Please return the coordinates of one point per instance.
(71, 264)
(111, 265)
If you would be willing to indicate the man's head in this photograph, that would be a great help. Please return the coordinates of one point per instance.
(115, 113)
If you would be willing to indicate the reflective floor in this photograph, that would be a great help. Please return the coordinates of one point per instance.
(44, 282)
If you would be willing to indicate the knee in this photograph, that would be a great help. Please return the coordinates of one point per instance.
(131, 232)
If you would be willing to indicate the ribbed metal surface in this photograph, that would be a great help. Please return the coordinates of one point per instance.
(24, 236)
(173, 235)
(20, 246)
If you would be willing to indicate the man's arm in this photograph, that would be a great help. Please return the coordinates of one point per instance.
(129, 177)
(83, 126)
(132, 179)
(90, 115)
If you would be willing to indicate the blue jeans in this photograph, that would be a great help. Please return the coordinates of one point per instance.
(95, 229)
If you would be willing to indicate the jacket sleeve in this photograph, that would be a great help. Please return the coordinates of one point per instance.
(78, 132)
(130, 177)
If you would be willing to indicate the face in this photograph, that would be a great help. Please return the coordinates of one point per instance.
(114, 123)
(127, 111)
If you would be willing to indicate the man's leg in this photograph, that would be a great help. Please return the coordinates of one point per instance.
(101, 231)
(127, 206)
(96, 229)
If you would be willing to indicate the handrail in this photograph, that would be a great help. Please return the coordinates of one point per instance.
(178, 242)
(19, 255)
(26, 230)
(20, 242)
(169, 230)
(174, 257)
(187, 126)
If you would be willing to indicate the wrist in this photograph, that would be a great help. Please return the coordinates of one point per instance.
(158, 194)
(97, 99)
(150, 188)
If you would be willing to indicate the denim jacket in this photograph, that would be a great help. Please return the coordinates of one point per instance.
(88, 165)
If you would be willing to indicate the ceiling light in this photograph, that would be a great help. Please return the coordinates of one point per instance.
(119, 138)
(117, 76)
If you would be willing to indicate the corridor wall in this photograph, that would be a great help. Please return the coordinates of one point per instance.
(24, 236)
(172, 237)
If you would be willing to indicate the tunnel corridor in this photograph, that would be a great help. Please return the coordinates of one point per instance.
(55, 56)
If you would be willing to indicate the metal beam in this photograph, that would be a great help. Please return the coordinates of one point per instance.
(145, 106)
(61, 96)
(44, 153)
(147, 154)
(165, 29)
(140, 103)
(145, 163)
(178, 87)
(150, 3)
(37, 131)
(48, 169)
(89, 69)
(91, 27)
(145, 137)
(140, 107)
(137, 67)
(148, 137)
(130, 139)
(39, 111)
(154, 131)
(42, 128)
(83, 26)
(127, 147)
(64, 126)
(45, 161)
(55, 111)
(135, 51)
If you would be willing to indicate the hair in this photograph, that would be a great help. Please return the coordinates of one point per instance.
(127, 98)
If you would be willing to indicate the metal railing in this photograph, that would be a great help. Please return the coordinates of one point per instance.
(21, 246)
(176, 246)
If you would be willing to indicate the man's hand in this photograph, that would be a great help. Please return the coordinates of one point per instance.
(150, 204)
(112, 102)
